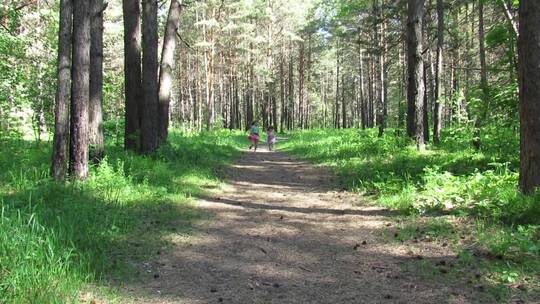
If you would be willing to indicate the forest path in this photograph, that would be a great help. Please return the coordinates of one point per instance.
(279, 232)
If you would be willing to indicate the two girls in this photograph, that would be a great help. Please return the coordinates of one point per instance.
(254, 137)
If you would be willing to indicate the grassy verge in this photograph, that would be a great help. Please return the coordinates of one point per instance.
(58, 239)
(473, 192)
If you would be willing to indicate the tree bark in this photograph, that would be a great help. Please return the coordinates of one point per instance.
(437, 108)
(209, 72)
(61, 111)
(290, 112)
(281, 93)
(381, 81)
(324, 83)
(132, 74)
(425, 106)
(415, 89)
(80, 90)
(250, 95)
(336, 103)
(307, 86)
(301, 88)
(149, 115)
(371, 95)
(529, 84)
(384, 75)
(166, 69)
(343, 103)
(483, 78)
(361, 84)
(96, 137)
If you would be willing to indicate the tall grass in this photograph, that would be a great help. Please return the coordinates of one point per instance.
(55, 239)
(450, 176)
(451, 180)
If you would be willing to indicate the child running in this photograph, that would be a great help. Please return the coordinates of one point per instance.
(270, 138)
(254, 136)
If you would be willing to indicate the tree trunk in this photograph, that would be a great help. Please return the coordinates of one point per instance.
(343, 103)
(425, 106)
(324, 80)
(437, 117)
(369, 104)
(381, 53)
(301, 85)
(237, 112)
(250, 96)
(402, 87)
(290, 112)
(96, 137)
(481, 38)
(132, 73)
(209, 73)
(384, 75)
(61, 111)
(281, 93)
(166, 69)
(274, 108)
(198, 105)
(529, 84)
(361, 84)
(415, 89)
(149, 115)
(336, 106)
(307, 85)
(483, 78)
(80, 90)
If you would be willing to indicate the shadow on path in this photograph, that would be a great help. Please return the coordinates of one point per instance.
(364, 212)
(281, 233)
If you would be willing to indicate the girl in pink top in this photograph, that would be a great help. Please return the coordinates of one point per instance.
(270, 138)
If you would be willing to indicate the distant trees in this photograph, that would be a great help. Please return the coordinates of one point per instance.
(372, 64)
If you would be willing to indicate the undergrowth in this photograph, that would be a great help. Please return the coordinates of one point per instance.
(56, 239)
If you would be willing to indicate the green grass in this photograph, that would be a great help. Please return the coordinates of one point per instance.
(452, 176)
(58, 239)
(463, 192)
(503, 261)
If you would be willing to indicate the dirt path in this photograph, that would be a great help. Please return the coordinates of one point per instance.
(280, 233)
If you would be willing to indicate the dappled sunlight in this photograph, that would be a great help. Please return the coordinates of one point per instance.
(248, 167)
(280, 243)
(102, 231)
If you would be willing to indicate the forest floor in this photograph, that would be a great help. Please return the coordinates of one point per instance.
(281, 230)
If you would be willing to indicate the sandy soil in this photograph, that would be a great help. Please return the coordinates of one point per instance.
(281, 232)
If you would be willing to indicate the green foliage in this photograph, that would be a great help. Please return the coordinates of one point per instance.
(414, 229)
(57, 238)
(497, 36)
(27, 70)
(452, 176)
